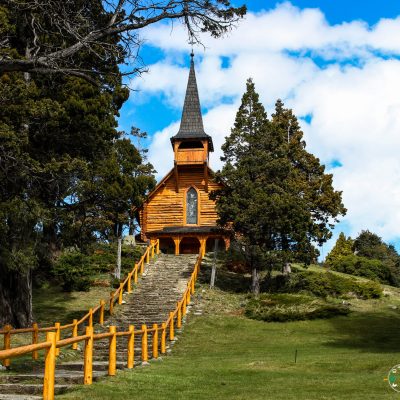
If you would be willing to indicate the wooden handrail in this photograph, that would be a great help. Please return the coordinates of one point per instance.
(21, 350)
(53, 342)
(86, 316)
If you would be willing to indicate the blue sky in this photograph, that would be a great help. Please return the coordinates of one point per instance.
(336, 63)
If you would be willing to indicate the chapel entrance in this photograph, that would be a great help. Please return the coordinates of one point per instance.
(167, 245)
(189, 245)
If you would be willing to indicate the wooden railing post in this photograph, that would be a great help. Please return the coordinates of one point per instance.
(184, 305)
(111, 303)
(129, 283)
(192, 285)
(58, 336)
(163, 338)
(135, 273)
(7, 343)
(152, 250)
(50, 366)
(155, 341)
(148, 255)
(142, 267)
(35, 337)
(75, 333)
(145, 356)
(188, 295)
(121, 291)
(158, 247)
(131, 347)
(90, 324)
(112, 351)
(88, 358)
(101, 312)
(179, 316)
(171, 326)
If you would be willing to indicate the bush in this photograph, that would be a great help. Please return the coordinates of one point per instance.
(74, 271)
(323, 284)
(291, 307)
(382, 271)
(104, 257)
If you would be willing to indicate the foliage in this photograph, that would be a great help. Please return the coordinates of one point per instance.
(372, 258)
(59, 32)
(290, 307)
(66, 171)
(283, 205)
(74, 271)
(343, 247)
(324, 284)
(373, 269)
(103, 257)
(370, 245)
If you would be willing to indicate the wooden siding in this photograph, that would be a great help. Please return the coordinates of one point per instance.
(166, 207)
(191, 156)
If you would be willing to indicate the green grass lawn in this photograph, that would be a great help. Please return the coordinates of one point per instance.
(223, 355)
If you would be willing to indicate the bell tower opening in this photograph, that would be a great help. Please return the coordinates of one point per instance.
(196, 144)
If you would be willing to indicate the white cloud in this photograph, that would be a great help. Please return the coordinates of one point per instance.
(353, 100)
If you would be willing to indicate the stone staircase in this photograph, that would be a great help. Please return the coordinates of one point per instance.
(159, 289)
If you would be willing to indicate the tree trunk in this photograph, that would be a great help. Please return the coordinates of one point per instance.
(287, 268)
(255, 284)
(117, 271)
(15, 298)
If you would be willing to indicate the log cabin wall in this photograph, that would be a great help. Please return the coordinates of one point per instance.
(166, 207)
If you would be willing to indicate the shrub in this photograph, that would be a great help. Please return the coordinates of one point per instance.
(323, 284)
(382, 271)
(104, 257)
(74, 271)
(291, 307)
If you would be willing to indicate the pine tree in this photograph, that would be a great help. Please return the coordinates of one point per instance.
(343, 247)
(276, 194)
(55, 132)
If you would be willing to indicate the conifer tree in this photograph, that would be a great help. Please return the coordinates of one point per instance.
(343, 247)
(276, 194)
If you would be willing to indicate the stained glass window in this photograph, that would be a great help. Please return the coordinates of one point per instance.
(191, 206)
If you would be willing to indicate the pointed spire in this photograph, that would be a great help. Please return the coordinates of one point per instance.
(192, 121)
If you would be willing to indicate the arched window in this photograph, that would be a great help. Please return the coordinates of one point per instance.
(191, 206)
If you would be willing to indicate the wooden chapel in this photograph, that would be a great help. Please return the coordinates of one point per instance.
(178, 211)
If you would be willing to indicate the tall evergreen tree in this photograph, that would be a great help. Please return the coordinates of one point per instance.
(55, 132)
(343, 247)
(276, 194)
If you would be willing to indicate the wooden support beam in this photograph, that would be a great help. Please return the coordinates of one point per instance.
(176, 177)
(203, 242)
(177, 241)
(206, 177)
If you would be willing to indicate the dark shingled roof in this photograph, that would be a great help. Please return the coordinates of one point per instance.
(192, 121)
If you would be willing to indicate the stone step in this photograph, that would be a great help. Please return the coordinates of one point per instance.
(97, 365)
(19, 397)
(152, 299)
(29, 388)
(62, 377)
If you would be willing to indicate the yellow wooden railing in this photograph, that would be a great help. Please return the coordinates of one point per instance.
(115, 296)
(159, 334)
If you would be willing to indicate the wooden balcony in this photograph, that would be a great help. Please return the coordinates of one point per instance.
(191, 156)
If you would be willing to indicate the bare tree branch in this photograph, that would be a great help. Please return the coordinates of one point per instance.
(58, 31)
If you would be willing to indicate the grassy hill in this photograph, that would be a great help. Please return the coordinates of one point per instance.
(223, 355)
